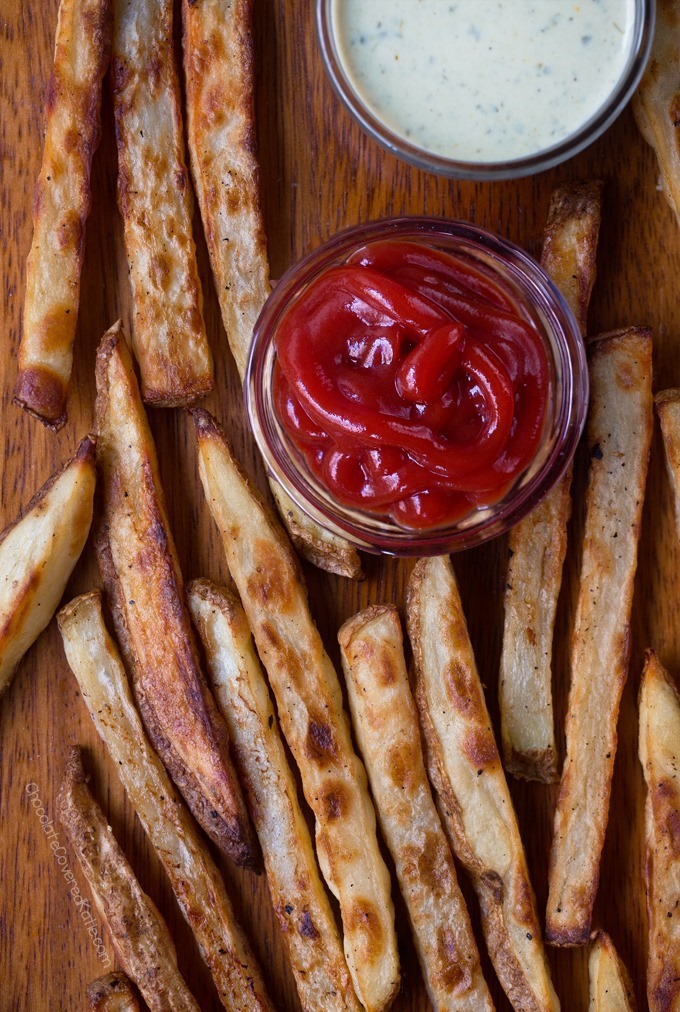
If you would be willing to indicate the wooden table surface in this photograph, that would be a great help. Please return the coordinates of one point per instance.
(319, 174)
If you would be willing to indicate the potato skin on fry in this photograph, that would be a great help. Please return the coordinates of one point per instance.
(538, 544)
(61, 205)
(218, 69)
(38, 552)
(112, 993)
(140, 570)
(309, 699)
(473, 798)
(155, 200)
(193, 875)
(659, 755)
(385, 722)
(611, 989)
(139, 934)
(618, 436)
(300, 902)
(667, 403)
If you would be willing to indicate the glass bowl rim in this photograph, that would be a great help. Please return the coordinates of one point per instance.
(547, 158)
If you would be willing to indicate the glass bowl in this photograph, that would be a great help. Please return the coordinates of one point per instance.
(642, 33)
(565, 415)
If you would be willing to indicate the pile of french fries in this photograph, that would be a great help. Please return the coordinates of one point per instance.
(214, 702)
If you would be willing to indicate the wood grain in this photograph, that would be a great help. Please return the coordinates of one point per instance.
(319, 174)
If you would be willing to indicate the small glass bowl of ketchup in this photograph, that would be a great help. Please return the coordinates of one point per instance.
(416, 385)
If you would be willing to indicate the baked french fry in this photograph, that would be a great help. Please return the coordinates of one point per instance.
(300, 901)
(218, 69)
(611, 989)
(309, 701)
(139, 934)
(193, 875)
(618, 436)
(385, 722)
(656, 103)
(473, 797)
(659, 754)
(140, 570)
(112, 993)
(667, 404)
(538, 544)
(37, 555)
(155, 200)
(60, 208)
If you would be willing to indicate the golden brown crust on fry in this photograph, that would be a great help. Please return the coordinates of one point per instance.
(618, 436)
(307, 690)
(386, 725)
(38, 552)
(611, 989)
(538, 544)
(193, 875)
(155, 200)
(660, 755)
(473, 797)
(300, 902)
(60, 208)
(138, 932)
(112, 993)
(139, 567)
(668, 409)
(656, 103)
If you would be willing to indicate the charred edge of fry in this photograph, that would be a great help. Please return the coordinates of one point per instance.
(538, 764)
(85, 454)
(598, 342)
(42, 393)
(345, 563)
(113, 992)
(670, 396)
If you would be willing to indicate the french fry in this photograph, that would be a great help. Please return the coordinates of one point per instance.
(309, 700)
(611, 989)
(656, 103)
(300, 901)
(193, 875)
(139, 934)
(37, 555)
(218, 68)
(139, 567)
(538, 544)
(659, 751)
(473, 797)
(155, 200)
(60, 208)
(112, 993)
(618, 437)
(667, 404)
(386, 726)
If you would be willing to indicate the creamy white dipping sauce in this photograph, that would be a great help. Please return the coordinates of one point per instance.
(483, 80)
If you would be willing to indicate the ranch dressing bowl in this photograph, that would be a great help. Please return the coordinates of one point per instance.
(485, 89)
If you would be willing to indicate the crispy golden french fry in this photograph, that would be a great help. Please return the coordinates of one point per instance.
(37, 555)
(139, 934)
(112, 993)
(619, 433)
(386, 726)
(474, 801)
(538, 544)
(155, 200)
(309, 699)
(193, 875)
(139, 566)
(300, 901)
(60, 208)
(667, 404)
(656, 103)
(611, 989)
(660, 757)
(218, 68)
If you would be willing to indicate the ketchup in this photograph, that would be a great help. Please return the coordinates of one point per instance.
(412, 383)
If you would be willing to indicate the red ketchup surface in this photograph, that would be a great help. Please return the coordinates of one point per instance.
(412, 382)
